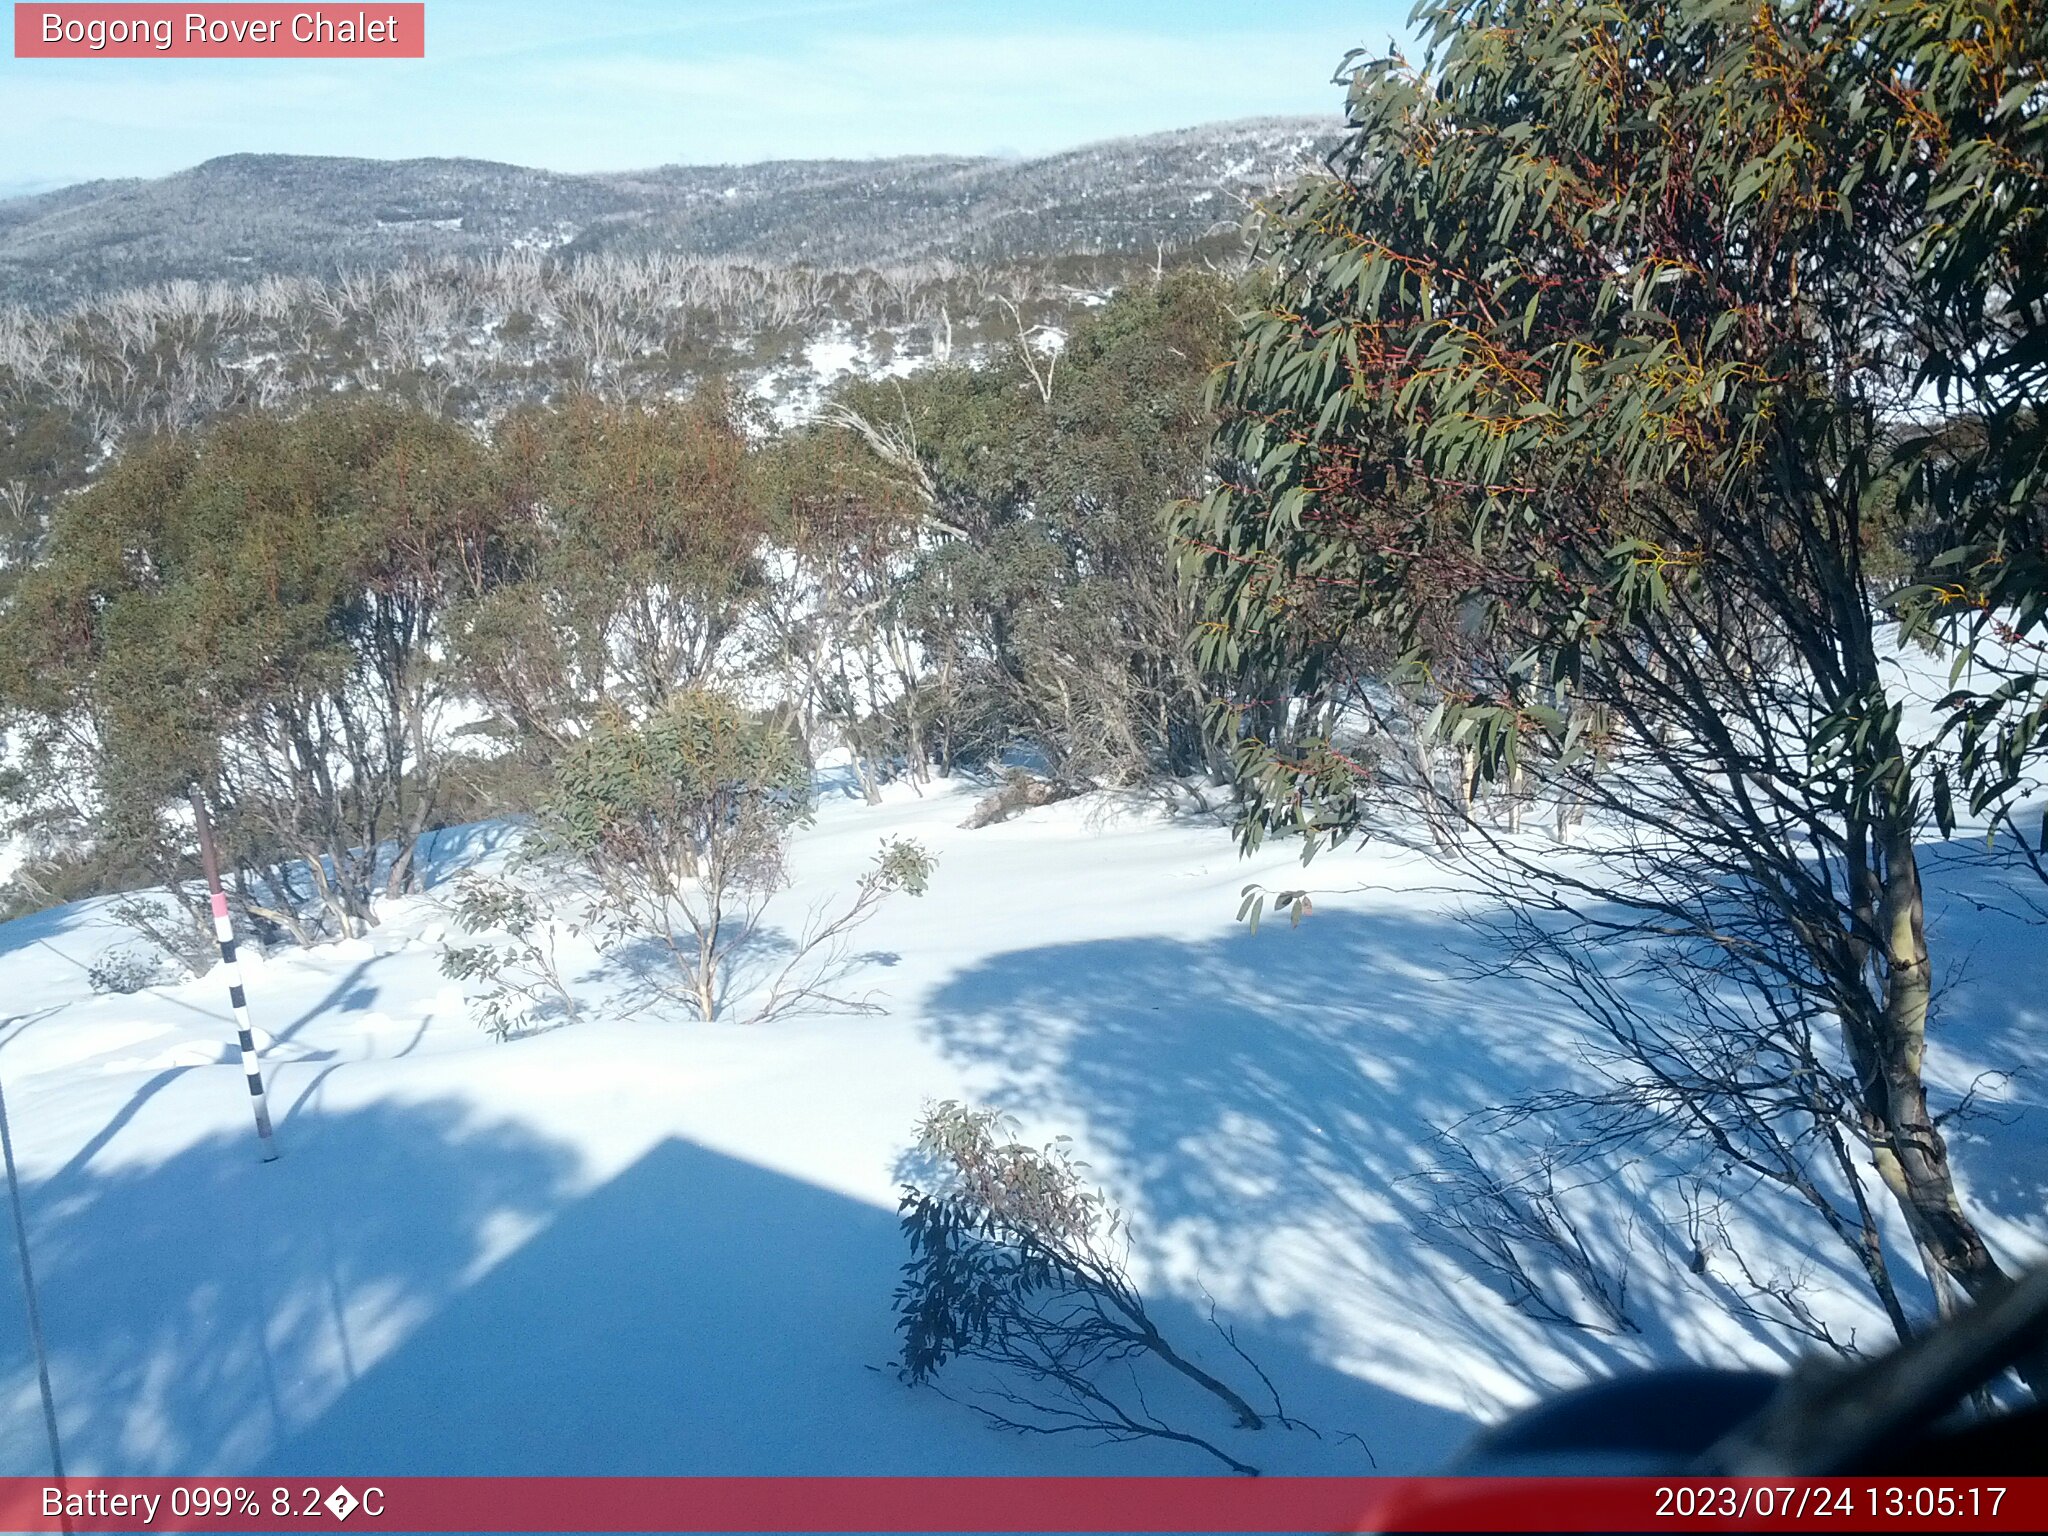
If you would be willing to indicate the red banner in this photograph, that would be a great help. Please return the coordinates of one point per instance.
(359, 31)
(1050, 1504)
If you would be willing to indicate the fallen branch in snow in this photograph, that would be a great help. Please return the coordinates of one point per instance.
(1019, 1265)
(1019, 791)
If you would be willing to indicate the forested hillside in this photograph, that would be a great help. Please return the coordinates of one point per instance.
(251, 216)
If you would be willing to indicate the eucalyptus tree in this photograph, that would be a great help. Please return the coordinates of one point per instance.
(258, 611)
(1588, 383)
(631, 543)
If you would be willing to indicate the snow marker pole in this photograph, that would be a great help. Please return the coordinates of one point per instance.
(28, 1289)
(224, 931)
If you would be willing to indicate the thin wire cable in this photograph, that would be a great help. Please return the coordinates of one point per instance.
(28, 1288)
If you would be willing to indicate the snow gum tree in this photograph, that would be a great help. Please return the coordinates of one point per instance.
(43, 454)
(1607, 334)
(847, 530)
(632, 534)
(256, 610)
(681, 818)
(1012, 586)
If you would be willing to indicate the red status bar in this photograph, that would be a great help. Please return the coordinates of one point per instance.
(1051, 1504)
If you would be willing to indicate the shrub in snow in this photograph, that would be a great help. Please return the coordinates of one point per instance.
(522, 976)
(681, 822)
(1016, 1263)
(180, 940)
(819, 962)
(127, 969)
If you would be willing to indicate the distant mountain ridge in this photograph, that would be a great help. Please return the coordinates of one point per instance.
(243, 216)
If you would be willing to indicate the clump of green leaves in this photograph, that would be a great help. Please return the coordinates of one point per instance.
(521, 971)
(902, 865)
(126, 969)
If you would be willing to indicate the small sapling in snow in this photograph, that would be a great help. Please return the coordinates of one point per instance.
(522, 974)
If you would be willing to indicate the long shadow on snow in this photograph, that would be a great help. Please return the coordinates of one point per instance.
(40, 928)
(693, 1315)
(333, 1312)
(200, 1308)
(1987, 921)
(1265, 1102)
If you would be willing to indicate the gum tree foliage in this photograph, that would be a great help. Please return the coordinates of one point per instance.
(1979, 494)
(1029, 600)
(631, 540)
(255, 610)
(679, 818)
(1586, 381)
(847, 526)
(43, 454)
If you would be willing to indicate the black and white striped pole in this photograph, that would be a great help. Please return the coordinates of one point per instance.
(224, 931)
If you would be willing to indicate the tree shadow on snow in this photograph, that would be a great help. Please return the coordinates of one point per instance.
(695, 1315)
(202, 1307)
(1262, 1106)
(1987, 920)
(339, 1311)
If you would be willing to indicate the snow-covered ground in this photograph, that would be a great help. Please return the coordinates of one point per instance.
(660, 1246)
(793, 391)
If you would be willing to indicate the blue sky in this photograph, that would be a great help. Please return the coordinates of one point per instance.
(617, 84)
